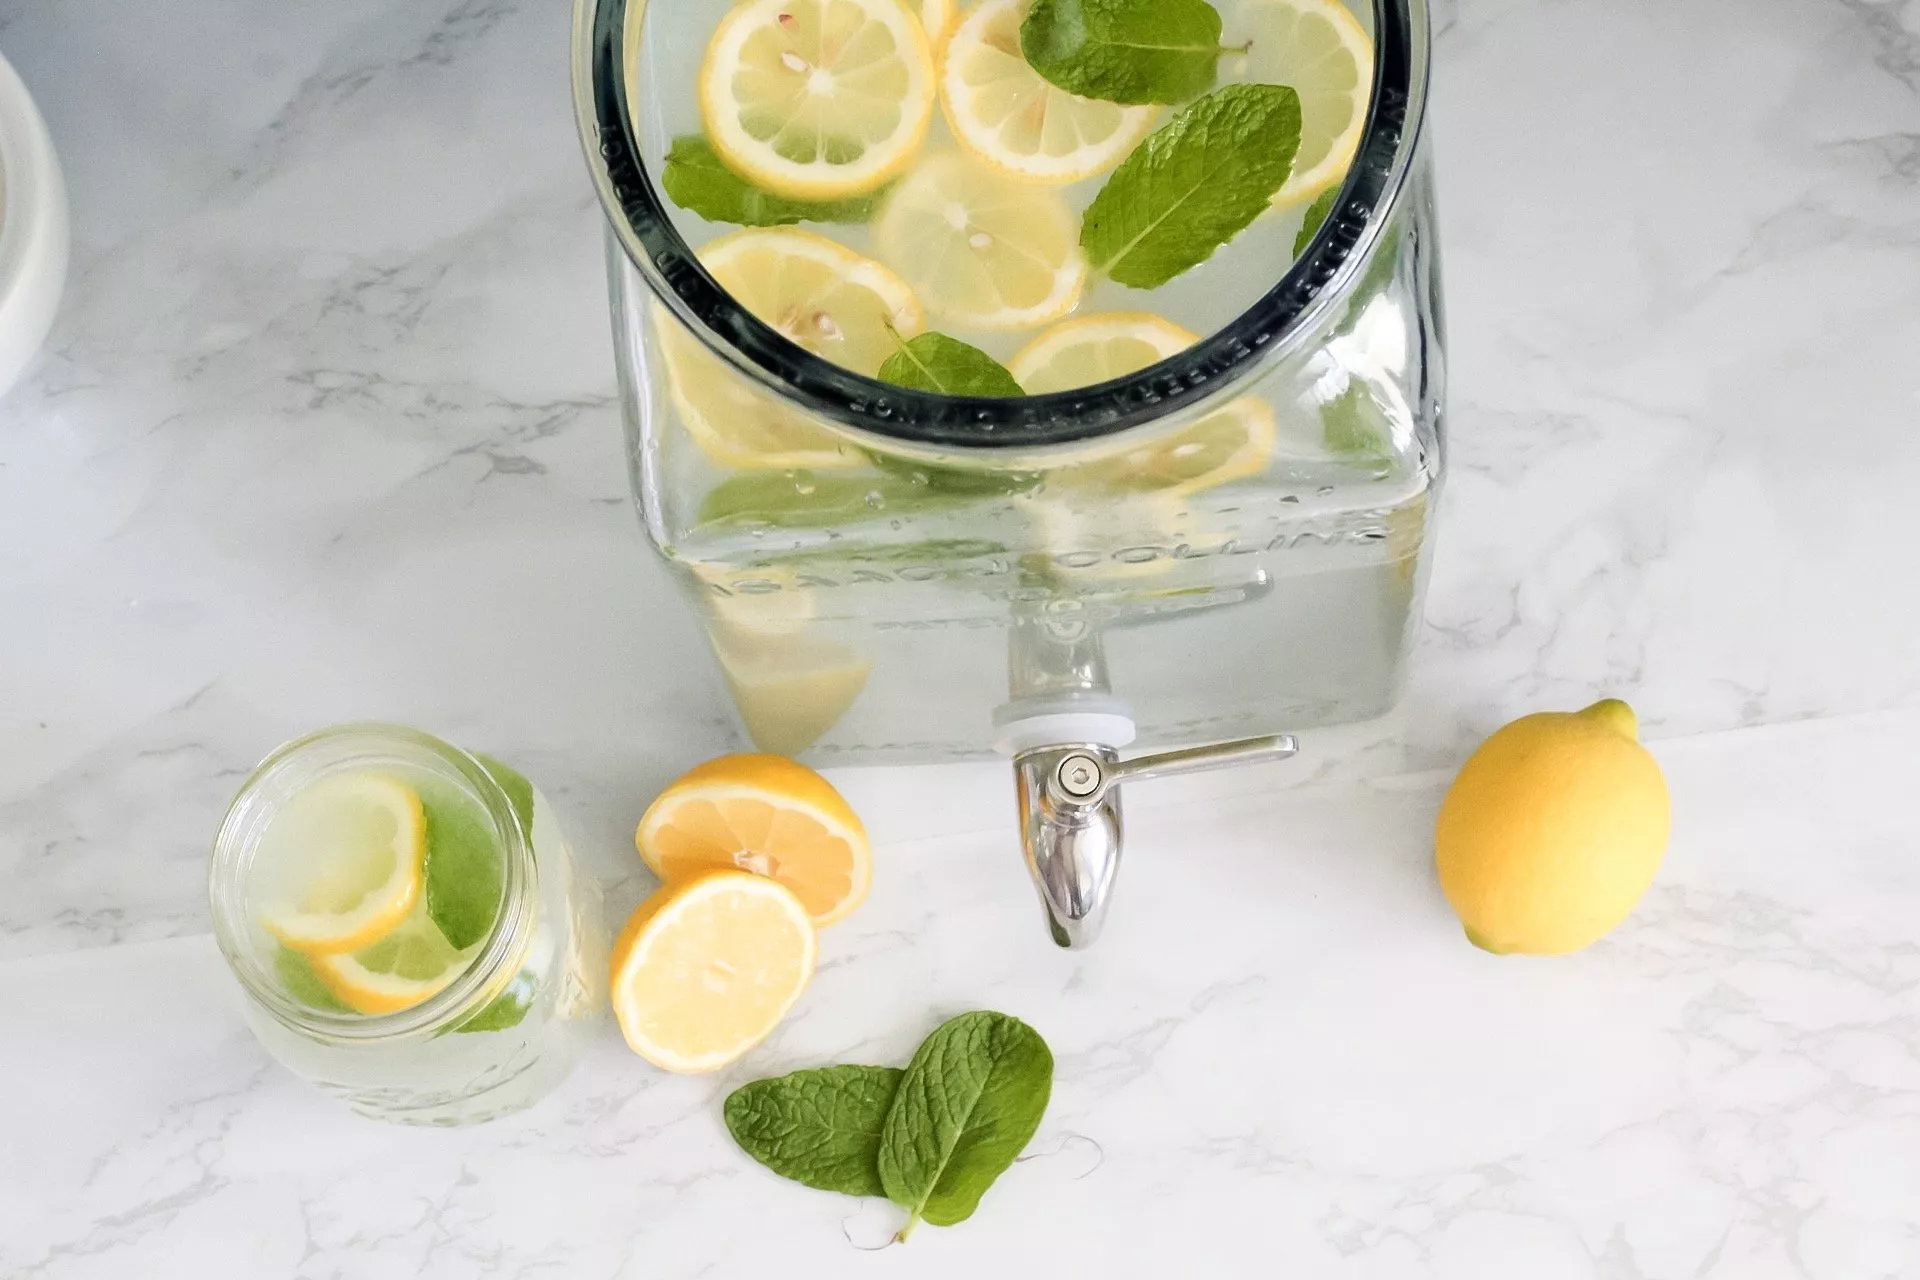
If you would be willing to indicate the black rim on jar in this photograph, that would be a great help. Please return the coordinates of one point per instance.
(1277, 321)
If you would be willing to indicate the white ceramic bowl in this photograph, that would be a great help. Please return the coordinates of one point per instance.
(33, 228)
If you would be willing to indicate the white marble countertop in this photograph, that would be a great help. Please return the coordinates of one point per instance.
(332, 385)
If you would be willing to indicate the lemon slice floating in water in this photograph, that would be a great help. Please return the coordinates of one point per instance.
(409, 965)
(818, 99)
(1008, 115)
(816, 292)
(1321, 50)
(343, 863)
(982, 249)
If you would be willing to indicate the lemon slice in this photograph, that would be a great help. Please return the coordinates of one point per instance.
(935, 17)
(818, 293)
(764, 814)
(408, 965)
(1087, 350)
(1319, 48)
(790, 689)
(1230, 444)
(982, 249)
(1007, 114)
(342, 863)
(707, 967)
(818, 99)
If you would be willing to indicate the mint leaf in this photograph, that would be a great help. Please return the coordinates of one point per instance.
(970, 1101)
(1355, 426)
(948, 366)
(1194, 185)
(817, 499)
(819, 1127)
(1316, 217)
(506, 1010)
(302, 983)
(697, 179)
(519, 791)
(1130, 51)
(464, 872)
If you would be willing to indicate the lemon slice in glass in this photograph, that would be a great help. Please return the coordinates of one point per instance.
(1321, 50)
(1230, 444)
(407, 966)
(818, 99)
(816, 292)
(1091, 349)
(1007, 114)
(982, 249)
(342, 863)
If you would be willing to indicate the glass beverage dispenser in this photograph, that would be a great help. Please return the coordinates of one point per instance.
(1228, 542)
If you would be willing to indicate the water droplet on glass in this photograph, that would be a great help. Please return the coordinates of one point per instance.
(876, 499)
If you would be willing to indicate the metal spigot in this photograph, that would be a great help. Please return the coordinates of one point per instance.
(1070, 823)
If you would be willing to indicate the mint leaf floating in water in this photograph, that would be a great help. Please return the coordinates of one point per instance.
(302, 983)
(935, 362)
(1130, 51)
(697, 180)
(1194, 185)
(1315, 218)
(519, 791)
(819, 1127)
(465, 879)
(970, 1101)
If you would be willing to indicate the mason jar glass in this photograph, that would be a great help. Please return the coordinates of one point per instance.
(929, 564)
(507, 1026)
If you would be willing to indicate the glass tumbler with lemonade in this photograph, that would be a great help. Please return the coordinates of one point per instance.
(408, 925)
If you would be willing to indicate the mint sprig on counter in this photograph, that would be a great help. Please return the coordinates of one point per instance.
(1129, 51)
(935, 362)
(932, 1138)
(697, 180)
(819, 1127)
(1196, 183)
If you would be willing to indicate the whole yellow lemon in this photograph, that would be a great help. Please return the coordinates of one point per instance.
(1553, 831)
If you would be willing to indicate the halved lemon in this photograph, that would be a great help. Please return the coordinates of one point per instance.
(407, 966)
(707, 967)
(1091, 349)
(1007, 114)
(1230, 444)
(818, 99)
(816, 292)
(1321, 50)
(767, 815)
(935, 17)
(982, 249)
(342, 863)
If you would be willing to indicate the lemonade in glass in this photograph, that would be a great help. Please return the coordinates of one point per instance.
(408, 925)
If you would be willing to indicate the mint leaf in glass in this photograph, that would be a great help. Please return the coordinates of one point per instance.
(818, 1127)
(969, 1103)
(1315, 218)
(519, 791)
(1130, 51)
(296, 975)
(465, 879)
(1196, 183)
(934, 362)
(821, 499)
(697, 180)
(506, 1010)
